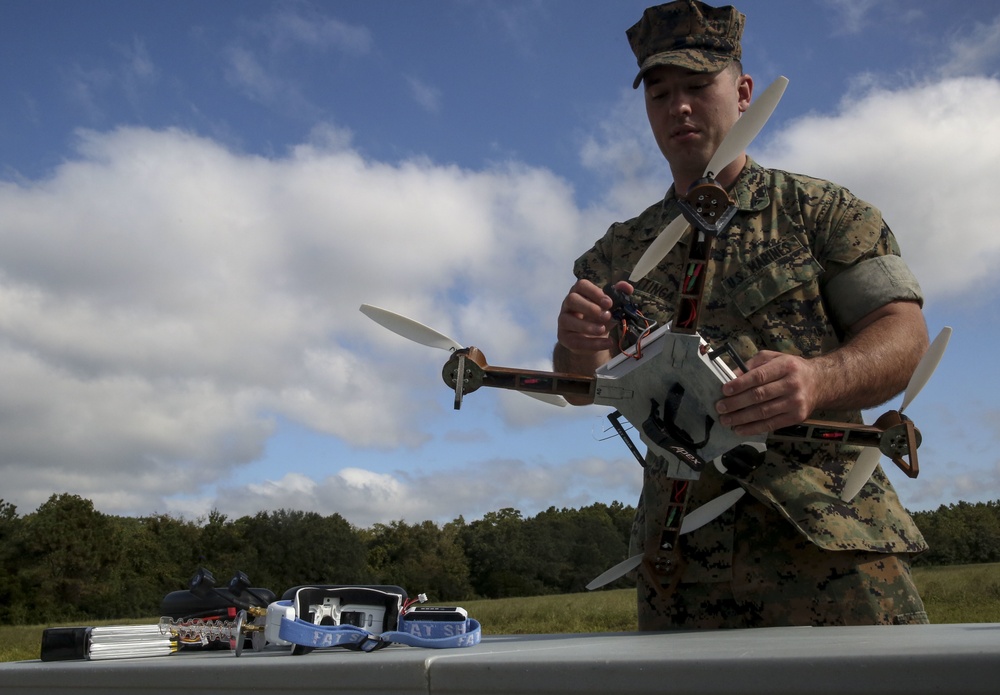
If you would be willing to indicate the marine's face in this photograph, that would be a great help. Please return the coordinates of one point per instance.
(690, 113)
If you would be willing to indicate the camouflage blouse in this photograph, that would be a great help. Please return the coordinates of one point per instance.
(801, 261)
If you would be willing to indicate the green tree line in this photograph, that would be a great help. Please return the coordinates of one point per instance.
(67, 561)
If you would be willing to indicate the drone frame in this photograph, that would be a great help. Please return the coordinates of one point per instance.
(894, 434)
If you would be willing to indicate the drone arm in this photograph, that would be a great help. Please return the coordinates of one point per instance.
(893, 434)
(829, 432)
(555, 383)
(467, 370)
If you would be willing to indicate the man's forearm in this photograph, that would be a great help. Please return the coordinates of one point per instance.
(877, 360)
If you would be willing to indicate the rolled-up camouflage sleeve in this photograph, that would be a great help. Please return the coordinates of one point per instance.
(872, 283)
(864, 268)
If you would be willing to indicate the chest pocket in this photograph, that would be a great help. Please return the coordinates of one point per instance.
(775, 272)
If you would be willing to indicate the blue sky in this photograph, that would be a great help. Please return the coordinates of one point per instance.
(196, 197)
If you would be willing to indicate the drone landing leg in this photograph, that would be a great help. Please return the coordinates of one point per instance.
(615, 419)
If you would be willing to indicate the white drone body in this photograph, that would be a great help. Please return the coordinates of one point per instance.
(685, 364)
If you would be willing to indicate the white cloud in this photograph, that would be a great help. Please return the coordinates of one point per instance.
(245, 71)
(624, 156)
(264, 62)
(86, 88)
(851, 15)
(975, 52)
(137, 72)
(365, 497)
(428, 97)
(163, 298)
(306, 26)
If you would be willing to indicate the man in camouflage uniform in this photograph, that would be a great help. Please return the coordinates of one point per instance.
(806, 283)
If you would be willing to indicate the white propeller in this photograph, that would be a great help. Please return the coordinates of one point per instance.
(619, 570)
(425, 335)
(409, 329)
(747, 127)
(870, 456)
(736, 141)
(692, 521)
(925, 368)
(697, 518)
(660, 247)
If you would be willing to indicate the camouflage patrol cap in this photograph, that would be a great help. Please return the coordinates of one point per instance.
(686, 33)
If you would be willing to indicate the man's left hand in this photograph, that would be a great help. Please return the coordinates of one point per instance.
(777, 391)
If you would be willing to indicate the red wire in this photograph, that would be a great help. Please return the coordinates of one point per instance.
(637, 353)
(689, 319)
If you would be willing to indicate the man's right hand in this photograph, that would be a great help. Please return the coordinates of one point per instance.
(584, 328)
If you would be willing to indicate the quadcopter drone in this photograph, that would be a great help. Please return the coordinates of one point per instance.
(666, 384)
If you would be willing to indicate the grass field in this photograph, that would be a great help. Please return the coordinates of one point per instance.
(960, 594)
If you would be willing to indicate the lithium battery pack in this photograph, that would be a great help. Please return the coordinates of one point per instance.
(111, 642)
